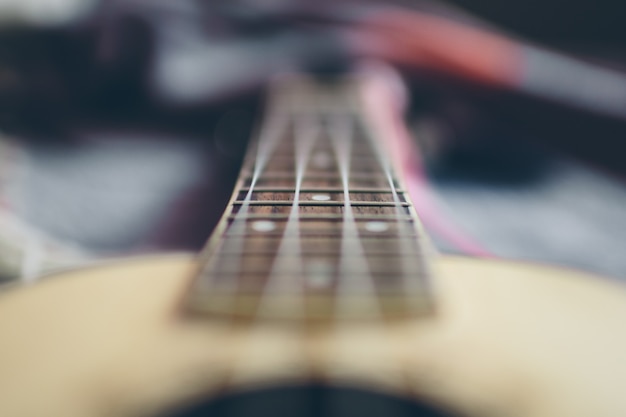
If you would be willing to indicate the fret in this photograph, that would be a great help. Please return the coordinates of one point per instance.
(317, 212)
(253, 277)
(320, 197)
(330, 190)
(327, 181)
(269, 175)
(324, 144)
(361, 164)
(376, 228)
(365, 240)
(322, 156)
(263, 264)
(303, 210)
(314, 217)
(305, 234)
(273, 176)
(332, 257)
(320, 244)
(301, 203)
(262, 267)
(286, 152)
(323, 253)
(254, 281)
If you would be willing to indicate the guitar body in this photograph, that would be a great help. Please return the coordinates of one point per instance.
(508, 339)
(319, 273)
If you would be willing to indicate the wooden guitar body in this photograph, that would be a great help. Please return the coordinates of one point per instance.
(318, 273)
(508, 339)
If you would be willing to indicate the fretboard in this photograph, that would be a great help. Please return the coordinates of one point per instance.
(319, 226)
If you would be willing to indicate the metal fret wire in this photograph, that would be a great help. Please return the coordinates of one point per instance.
(338, 217)
(323, 203)
(260, 189)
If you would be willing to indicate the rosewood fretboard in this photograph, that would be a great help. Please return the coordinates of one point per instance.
(319, 226)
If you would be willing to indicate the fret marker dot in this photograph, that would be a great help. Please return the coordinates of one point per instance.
(264, 226)
(321, 197)
(376, 227)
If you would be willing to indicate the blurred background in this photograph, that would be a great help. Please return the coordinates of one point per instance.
(123, 122)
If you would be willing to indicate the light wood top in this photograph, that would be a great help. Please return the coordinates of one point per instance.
(508, 339)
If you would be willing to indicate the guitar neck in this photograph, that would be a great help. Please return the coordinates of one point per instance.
(319, 225)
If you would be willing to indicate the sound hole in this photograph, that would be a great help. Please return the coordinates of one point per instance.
(310, 401)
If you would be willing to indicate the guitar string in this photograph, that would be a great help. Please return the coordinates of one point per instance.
(354, 272)
(410, 285)
(288, 261)
(271, 133)
(389, 349)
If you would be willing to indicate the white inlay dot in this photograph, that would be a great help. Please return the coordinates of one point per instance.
(321, 197)
(264, 226)
(376, 227)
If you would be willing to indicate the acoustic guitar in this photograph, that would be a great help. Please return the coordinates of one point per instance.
(317, 294)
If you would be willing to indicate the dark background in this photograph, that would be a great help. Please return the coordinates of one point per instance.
(592, 23)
